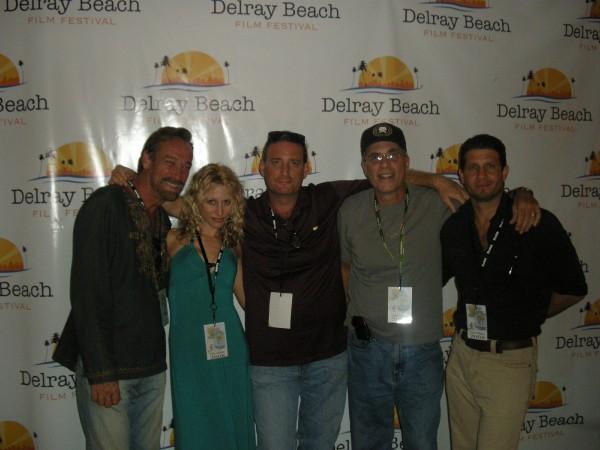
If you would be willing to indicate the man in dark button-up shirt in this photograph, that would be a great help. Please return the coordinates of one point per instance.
(114, 337)
(508, 283)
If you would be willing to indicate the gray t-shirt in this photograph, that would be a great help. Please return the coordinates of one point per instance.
(373, 270)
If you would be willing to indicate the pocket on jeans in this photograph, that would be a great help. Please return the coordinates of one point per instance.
(356, 343)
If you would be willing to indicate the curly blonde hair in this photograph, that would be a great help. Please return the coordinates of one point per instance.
(202, 181)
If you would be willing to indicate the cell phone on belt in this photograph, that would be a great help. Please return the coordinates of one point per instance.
(361, 329)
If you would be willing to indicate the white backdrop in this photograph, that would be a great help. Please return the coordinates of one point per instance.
(84, 82)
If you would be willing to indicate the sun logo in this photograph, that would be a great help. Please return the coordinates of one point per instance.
(10, 75)
(591, 313)
(75, 162)
(386, 73)
(191, 69)
(547, 396)
(448, 322)
(446, 161)
(11, 258)
(547, 83)
(14, 436)
(466, 3)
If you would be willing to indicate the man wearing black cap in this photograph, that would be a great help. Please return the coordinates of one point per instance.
(391, 260)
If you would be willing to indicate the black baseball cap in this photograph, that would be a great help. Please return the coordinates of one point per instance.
(382, 132)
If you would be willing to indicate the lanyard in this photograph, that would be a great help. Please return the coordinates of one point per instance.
(293, 242)
(157, 249)
(137, 194)
(488, 251)
(401, 250)
(209, 276)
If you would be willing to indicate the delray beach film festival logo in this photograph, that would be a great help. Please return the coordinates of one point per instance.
(587, 37)
(283, 16)
(15, 295)
(47, 378)
(584, 340)
(188, 72)
(68, 12)
(12, 78)
(378, 88)
(545, 103)
(465, 20)
(586, 191)
(548, 415)
(80, 166)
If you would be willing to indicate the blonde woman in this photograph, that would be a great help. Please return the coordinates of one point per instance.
(211, 390)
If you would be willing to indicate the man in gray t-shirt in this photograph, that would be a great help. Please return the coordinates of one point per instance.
(391, 258)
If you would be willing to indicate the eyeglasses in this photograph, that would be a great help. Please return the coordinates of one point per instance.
(377, 158)
(287, 136)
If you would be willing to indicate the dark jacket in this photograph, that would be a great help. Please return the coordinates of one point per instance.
(115, 321)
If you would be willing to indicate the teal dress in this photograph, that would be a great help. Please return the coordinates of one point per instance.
(212, 400)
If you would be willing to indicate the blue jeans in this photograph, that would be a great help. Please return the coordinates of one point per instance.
(383, 375)
(133, 424)
(320, 386)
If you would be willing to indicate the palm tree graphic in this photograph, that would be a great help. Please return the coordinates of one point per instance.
(226, 65)
(416, 76)
(246, 157)
(26, 265)
(157, 72)
(353, 76)
(314, 156)
(166, 63)
(22, 70)
(54, 341)
(41, 159)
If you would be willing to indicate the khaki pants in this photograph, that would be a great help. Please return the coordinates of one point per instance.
(488, 395)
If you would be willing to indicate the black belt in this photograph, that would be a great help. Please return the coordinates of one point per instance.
(501, 345)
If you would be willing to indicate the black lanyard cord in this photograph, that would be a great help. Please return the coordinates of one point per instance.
(209, 276)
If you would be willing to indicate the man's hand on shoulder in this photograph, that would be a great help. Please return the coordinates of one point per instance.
(106, 394)
(120, 175)
(451, 193)
(526, 212)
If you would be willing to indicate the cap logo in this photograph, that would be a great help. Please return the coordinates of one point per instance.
(382, 130)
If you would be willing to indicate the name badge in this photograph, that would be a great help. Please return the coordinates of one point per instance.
(477, 327)
(164, 310)
(400, 305)
(280, 310)
(215, 338)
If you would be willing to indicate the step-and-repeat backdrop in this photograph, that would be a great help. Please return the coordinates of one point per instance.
(84, 82)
